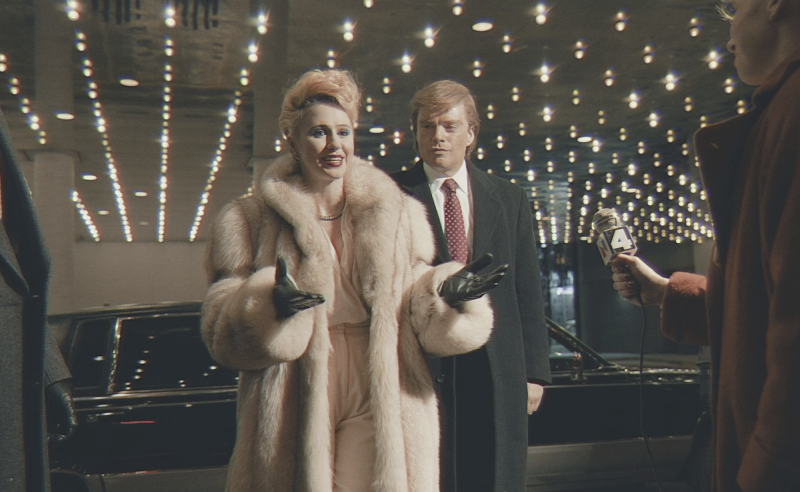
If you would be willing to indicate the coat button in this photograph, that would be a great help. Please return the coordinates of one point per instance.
(440, 378)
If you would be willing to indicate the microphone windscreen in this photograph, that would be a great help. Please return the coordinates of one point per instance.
(605, 219)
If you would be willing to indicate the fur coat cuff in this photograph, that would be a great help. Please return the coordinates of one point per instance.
(442, 330)
(241, 328)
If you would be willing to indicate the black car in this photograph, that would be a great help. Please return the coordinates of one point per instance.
(157, 413)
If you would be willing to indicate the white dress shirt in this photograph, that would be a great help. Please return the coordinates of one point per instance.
(463, 192)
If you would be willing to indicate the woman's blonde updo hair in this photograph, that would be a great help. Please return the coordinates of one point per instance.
(336, 87)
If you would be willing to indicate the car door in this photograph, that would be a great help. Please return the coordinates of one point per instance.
(166, 420)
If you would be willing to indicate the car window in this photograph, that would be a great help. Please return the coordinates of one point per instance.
(88, 359)
(561, 357)
(166, 352)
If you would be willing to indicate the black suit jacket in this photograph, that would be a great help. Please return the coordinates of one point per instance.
(518, 350)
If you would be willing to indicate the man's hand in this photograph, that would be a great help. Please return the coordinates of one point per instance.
(286, 296)
(535, 392)
(466, 284)
(60, 411)
(634, 278)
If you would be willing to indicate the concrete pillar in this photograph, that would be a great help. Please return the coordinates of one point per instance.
(53, 178)
(54, 166)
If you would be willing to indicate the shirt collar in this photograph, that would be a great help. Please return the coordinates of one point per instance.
(435, 180)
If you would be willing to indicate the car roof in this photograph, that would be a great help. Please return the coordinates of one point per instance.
(131, 309)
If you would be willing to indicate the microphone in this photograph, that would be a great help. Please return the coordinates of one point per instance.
(613, 236)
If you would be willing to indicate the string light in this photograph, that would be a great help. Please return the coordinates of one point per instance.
(541, 14)
(430, 37)
(544, 73)
(621, 21)
(215, 165)
(507, 43)
(477, 68)
(84, 213)
(580, 49)
(261, 23)
(101, 125)
(25, 105)
(714, 58)
(406, 63)
(695, 27)
(609, 78)
(648, 54)
(71, 8)
(348, 31)
(163, 181)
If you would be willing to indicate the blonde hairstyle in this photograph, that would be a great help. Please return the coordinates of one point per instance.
(437, 97)
(337, 87)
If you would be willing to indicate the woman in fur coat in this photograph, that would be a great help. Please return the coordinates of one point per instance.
(322, 296)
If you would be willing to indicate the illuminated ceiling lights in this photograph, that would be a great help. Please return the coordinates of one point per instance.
(547, 114)
(252, 52)
(515, 94)
(688, 104)
(331, 58)
(387, 85)
(695, 27)
(397, 137)
(261, 22)
(507, 43)
(369, 106)
(101, 125)
(714, 58)
(654, 119)
(458, 7)
(369, 3)
(621, 21)
(71, 8)
(647, 54)
(477, 68)
(87, 219)
(544, 73)
(24, 103)
(348, 31)
(729, 86)
(490, 112)
(608, 78)
(163, 181)
(169, 16)
(233, 109)
(406, 63)
(580, 49)
(670, 81)
(634, 99)
(576, 97)
(483, 25)
(541, 14)
(430, 37)
(523, 129)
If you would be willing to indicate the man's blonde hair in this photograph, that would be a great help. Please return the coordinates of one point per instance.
(437, 97)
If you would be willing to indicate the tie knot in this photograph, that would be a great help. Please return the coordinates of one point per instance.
(450, 185)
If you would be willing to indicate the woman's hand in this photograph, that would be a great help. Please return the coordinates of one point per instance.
(466, 284)
(636, 281)
(288, 299)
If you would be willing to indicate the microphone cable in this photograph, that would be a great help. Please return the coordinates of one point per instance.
(641, 392)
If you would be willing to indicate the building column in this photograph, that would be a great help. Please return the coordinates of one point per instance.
(54, 179)
(54, 165)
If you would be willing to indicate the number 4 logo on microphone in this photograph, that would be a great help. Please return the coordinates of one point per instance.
(622, 240)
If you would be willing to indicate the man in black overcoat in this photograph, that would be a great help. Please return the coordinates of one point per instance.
(30, 363)
(485, 396)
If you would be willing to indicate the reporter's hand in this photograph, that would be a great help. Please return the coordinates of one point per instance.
(466, 284)
(60, 411)
(288, 299)
(633, 277)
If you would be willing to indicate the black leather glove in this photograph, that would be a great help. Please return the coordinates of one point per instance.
(60, 411)
(288, 299)
(466, 284)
